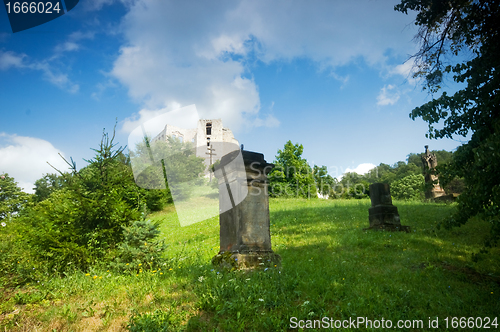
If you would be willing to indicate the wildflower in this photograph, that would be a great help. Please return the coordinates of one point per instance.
(159, 269)
(140, 264)
(274, 265)
(87, 274)
(2, 177)
(161, 272)
(126, 264)
(170, 269)
(145, 243)
(94, 277)
(265, 269)
(140, 270)
(4, 224)
(200, 279)
(261, 300)
(136, 275)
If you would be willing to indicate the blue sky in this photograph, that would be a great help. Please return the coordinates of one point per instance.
(331, 75)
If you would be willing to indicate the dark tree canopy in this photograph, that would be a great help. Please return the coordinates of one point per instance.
(462, 38)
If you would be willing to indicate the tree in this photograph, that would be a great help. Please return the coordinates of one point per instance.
(47, 185)
(469, 31)
(81, 223)
(292, 176)
(12, 199)
(324, 181)
(410, 187)
(173, 159)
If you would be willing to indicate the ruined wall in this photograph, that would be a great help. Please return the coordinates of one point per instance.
(209, 132)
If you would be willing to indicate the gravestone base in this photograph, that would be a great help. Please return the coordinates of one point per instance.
(383, 215)
(252, 260)
(389, 228)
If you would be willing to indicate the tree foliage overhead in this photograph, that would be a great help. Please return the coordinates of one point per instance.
(470, 30)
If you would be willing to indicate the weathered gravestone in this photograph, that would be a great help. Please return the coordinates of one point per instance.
(245, 239)
(382, 214)
(429, 162)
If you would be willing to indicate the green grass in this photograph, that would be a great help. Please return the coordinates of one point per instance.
(330, 268)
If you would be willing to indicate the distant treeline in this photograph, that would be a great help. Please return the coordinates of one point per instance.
(294, 177)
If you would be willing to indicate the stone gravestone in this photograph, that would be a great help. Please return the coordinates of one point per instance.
(382, 214)
(245, 239)
(429, 162)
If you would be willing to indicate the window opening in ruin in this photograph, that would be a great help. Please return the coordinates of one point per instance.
(209, 128)
(181, 138)
(208, 141)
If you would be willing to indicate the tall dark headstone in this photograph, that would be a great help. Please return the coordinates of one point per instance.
(382, 214)
(245, 239)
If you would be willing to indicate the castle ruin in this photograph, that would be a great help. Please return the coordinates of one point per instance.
(210, 138)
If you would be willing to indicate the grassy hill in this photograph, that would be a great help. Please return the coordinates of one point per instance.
(330, 268)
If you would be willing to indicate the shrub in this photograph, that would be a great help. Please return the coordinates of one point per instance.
(140, 249)
(12, 199)
(410, 187)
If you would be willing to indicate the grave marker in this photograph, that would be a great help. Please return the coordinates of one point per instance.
(245, 239)
(382, 214)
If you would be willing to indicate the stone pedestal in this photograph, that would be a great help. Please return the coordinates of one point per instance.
(382, 214)
(429, 162)
(245, 239)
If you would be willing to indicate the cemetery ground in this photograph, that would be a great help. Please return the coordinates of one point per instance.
(330, 268)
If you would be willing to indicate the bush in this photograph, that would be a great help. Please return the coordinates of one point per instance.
(12, 199)
(140, 249)
(81, 224)
(410, 187)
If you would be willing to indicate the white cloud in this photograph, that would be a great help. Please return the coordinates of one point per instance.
(177, 53)
(95, 4)
(10, 59)
(406, 70)
(25, 159)
(71, 44)
(58, 79)
(361, 168)
(268, 121)
(388, 95)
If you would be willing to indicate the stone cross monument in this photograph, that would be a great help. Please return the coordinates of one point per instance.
(245, 239)
(382, 214)
(429, 162)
